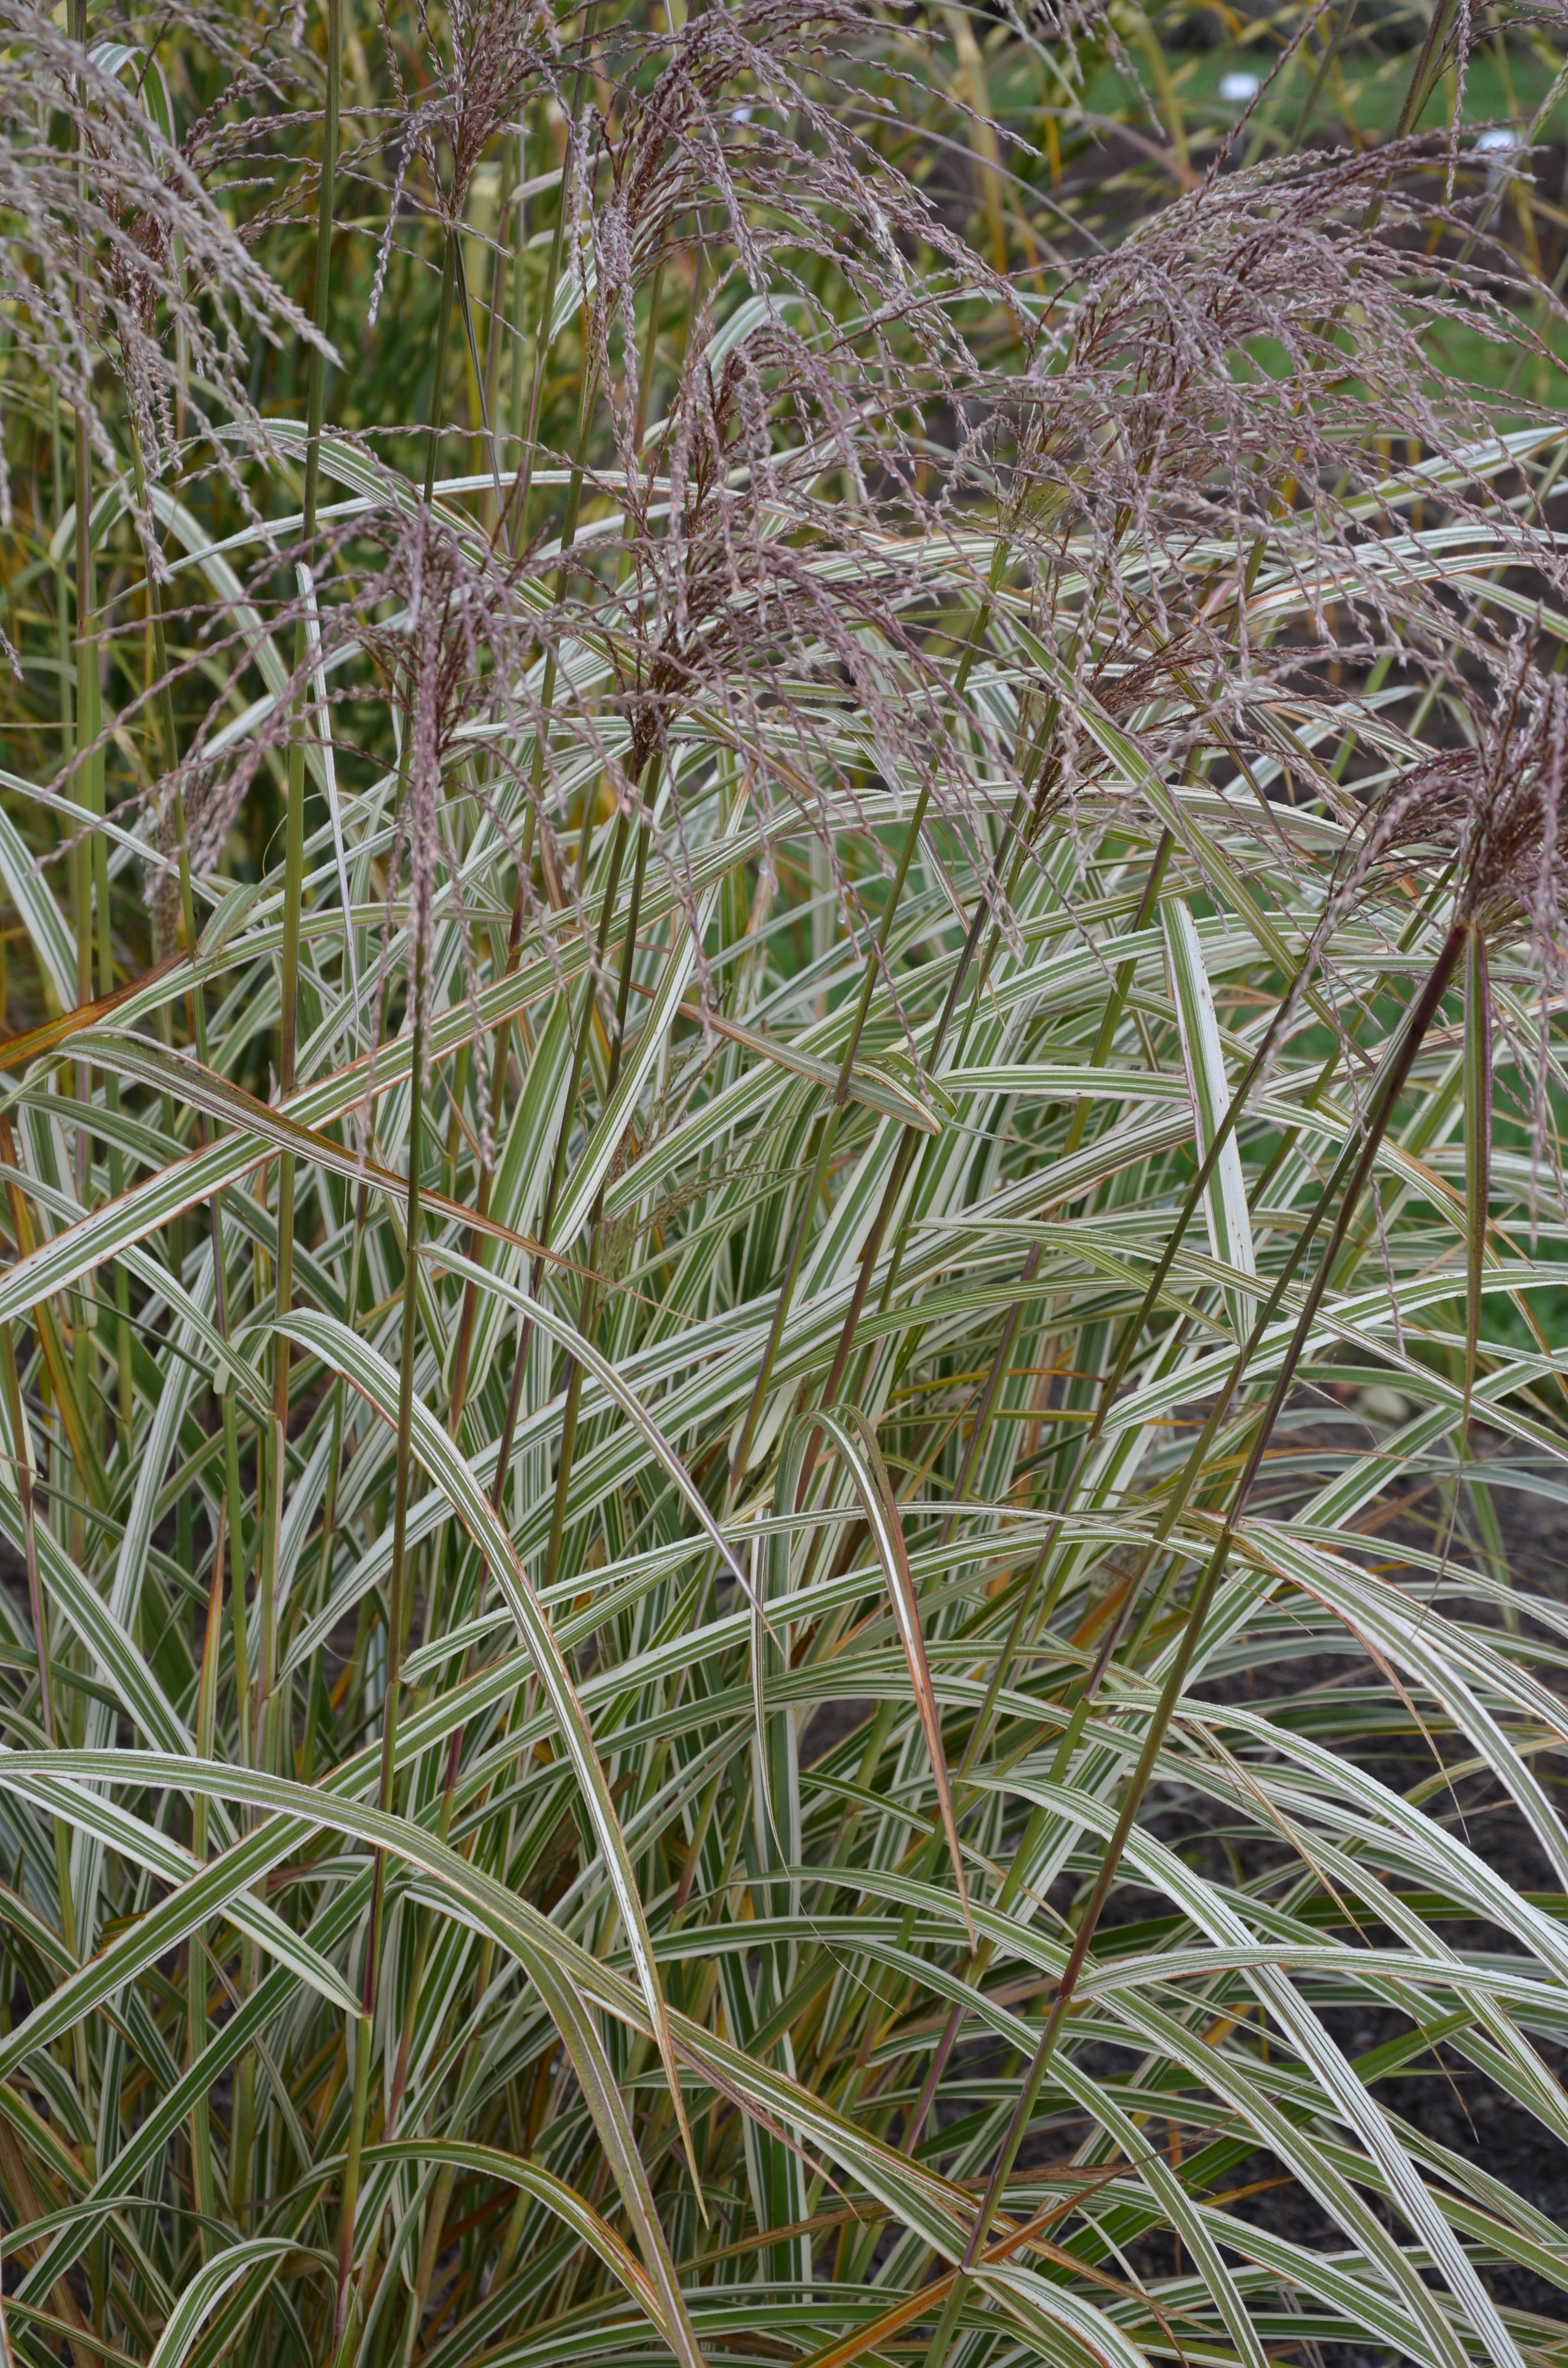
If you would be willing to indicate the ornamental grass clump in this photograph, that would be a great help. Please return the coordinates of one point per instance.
(782, 1302)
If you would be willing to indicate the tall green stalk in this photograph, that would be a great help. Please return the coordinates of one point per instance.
(293, 885)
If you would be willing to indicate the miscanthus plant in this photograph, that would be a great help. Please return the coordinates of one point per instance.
(781, 1173)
